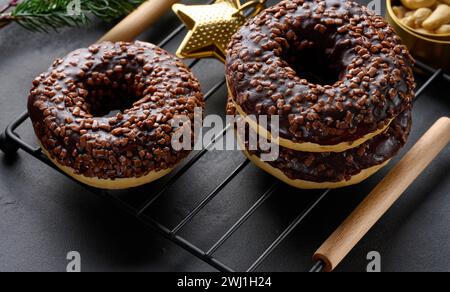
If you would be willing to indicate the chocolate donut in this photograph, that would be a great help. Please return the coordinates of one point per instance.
(312, 170)
(335, 73)
(102, 114)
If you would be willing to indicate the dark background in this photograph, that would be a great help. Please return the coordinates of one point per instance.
(44, 215)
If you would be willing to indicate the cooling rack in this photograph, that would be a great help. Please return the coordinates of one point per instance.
(11, 142)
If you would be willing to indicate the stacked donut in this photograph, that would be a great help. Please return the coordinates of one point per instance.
(340, 81)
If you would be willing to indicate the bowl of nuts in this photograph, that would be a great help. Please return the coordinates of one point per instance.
(424, 26)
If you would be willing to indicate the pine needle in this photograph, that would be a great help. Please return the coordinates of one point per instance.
(44, 15)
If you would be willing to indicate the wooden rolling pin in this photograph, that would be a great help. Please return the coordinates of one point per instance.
(138, 21)
(342, 241)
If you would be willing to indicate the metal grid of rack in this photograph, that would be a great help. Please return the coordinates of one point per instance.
(11, 142)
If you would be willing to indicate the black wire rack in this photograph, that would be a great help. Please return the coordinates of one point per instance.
(11, 142)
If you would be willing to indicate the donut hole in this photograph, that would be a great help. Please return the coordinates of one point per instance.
(315, 60)
(110, 94)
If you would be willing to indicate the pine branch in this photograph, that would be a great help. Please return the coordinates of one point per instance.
(42, 15)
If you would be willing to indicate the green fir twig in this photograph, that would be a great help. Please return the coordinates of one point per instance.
(43, 15)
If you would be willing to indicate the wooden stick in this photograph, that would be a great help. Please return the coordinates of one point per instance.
(342, 241)
(138, 21)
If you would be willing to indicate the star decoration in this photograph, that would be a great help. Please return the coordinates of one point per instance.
(212, 26)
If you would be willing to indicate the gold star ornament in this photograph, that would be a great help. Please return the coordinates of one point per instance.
(212, 26)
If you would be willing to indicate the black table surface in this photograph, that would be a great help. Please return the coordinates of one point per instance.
(44, 215)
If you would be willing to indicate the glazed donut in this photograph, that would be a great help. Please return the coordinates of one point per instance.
(102, 114)
(336, 74)
(312, 170)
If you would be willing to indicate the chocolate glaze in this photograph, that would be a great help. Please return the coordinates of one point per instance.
(143, 86)
(373, 68)
(336, 167)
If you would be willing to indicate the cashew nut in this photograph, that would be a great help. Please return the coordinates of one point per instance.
(423, 31)
(408, 21)
(420, 15)
(444, 29)
(438, 18)
(400, 11)
(416, 4)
